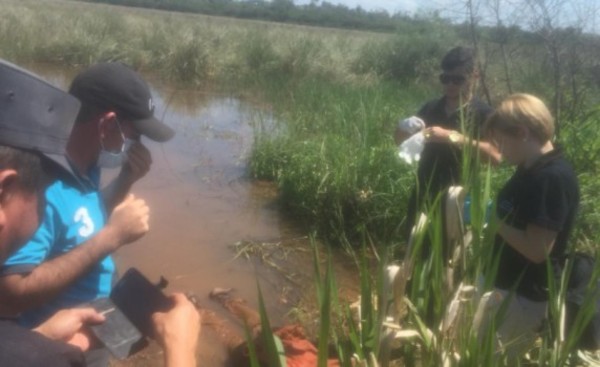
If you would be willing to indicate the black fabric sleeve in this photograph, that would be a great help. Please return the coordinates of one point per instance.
(548, 204)
(425, 112)
(24, 348)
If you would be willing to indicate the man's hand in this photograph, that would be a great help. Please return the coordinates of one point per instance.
(19, 292)
(135, 167)
(128, 221)
(177, 331)
(438, 134)
(69, 326)
(137, 164)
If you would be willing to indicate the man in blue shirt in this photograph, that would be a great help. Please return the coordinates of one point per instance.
(68, 262)
(35, 123)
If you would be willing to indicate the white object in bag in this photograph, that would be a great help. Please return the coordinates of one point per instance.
(410, 150)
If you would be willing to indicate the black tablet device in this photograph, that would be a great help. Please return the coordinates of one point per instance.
(128, 313)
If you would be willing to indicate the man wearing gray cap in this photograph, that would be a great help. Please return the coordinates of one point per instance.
(68, 262)
(35, 123)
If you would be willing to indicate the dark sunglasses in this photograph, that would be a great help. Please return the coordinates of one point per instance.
(454, 79)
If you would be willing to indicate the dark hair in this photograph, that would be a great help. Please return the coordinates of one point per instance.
(87, 112)
(35, 171)
(459, 57)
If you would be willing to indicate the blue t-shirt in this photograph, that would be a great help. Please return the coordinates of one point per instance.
(74, 213)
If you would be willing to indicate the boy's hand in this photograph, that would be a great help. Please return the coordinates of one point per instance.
(68, 326)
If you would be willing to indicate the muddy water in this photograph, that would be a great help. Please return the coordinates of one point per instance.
(202, 201)
(202, 204)
(211, 226)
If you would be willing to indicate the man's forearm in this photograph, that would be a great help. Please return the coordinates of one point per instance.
(183, 359)
(489, 153)
(20, 292)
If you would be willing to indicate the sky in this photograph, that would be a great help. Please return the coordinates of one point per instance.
(578, 13)
(392, 6)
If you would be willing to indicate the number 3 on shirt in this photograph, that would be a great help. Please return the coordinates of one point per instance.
(87, 226)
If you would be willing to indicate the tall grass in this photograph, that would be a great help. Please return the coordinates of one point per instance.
(430, 298)
(355, 338)
(192, 49)
(335, 161)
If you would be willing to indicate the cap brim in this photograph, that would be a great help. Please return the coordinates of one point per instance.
(34, 114)
(154, 129)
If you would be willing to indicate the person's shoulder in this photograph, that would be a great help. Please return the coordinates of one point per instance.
(431, 106)
(558, 172)
(21, 347)
(56, 188)
(558, 161)
(481, 107)
(62, 190)
(564, 169)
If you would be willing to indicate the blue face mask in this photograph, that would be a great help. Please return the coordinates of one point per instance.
(108, 159)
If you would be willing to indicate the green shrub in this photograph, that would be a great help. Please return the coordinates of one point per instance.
(334, 160)
(405, 57)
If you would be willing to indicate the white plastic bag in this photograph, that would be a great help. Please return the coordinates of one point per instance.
(410, 150)
(411, 125)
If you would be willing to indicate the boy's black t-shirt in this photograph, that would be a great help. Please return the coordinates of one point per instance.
(20, 347)
(546, 195)
(440, 163)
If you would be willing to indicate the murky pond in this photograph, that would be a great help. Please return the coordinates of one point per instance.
(206, 213)
(202, 204)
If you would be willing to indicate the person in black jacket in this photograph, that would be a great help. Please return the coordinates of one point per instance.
(452, 122)
(536, 210)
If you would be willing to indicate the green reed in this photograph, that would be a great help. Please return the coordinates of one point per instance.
(430, 299)
(334, 158)
(326, 148)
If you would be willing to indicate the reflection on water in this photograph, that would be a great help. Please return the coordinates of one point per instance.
(201, 200)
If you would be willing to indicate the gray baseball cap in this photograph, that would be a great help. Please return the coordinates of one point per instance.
(115, 86)
(34, 114)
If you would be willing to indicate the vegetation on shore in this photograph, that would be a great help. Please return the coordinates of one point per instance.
(192, 49)
(315, 13)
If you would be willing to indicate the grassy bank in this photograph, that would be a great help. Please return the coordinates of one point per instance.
(335, 161)
(336, 94)
(337, 167)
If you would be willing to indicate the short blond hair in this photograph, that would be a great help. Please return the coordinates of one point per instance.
(522, 110)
